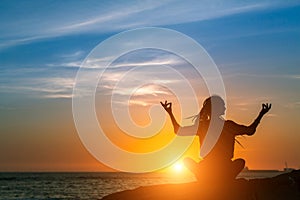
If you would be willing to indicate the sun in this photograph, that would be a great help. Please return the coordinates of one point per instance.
(178, 167)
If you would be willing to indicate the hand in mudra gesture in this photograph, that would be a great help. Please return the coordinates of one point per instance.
(265, 108)
(167, 106)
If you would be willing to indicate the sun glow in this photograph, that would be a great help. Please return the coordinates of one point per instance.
(178, 167)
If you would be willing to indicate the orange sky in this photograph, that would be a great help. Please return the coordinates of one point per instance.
(59, 148)
(255, 46)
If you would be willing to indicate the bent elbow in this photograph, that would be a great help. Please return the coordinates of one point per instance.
(179, 132)
(176, 131)
(251, 131)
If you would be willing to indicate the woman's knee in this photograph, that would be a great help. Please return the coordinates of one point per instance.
(239, 163)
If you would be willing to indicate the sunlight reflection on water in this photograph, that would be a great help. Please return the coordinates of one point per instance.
(92, 185)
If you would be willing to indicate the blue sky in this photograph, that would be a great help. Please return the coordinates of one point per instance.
(255, 44)
(42, 41)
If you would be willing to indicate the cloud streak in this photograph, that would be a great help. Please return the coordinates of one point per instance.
(105, 17)
(156, 60)
(50, 87)
(253, 75)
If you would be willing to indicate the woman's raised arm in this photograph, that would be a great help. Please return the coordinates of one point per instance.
(265, 108)
(168, 107)
(179, 130)
(250, 130)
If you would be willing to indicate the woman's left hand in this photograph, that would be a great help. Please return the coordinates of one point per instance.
(265, 108)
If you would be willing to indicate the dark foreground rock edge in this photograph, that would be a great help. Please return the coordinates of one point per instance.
(282, 187)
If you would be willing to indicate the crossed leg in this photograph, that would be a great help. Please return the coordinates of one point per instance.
(212, 171)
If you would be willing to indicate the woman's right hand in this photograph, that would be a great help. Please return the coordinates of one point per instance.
(167, 106)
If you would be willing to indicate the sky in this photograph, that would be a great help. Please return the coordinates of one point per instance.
(254, 44)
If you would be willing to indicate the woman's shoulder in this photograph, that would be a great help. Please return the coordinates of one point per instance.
(230, 123)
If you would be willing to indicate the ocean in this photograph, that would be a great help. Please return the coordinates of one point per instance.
(87, 185)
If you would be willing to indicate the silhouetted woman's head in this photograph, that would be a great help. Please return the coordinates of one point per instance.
(213, 104)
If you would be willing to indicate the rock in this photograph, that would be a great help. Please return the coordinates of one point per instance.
(282, 187)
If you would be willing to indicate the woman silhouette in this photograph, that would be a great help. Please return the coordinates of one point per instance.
(218, 162)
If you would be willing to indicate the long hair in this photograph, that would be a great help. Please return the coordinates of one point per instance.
(205, 112)
(205, 115)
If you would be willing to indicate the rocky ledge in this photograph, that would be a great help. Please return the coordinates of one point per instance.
(282, 187)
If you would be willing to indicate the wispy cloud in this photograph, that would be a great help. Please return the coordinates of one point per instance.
(102, 18)
(50, 82)
(69, 59)
(145, 96)
(7, 108)
(107, 17)
(295, 76)
(159, 60)
(51, 87)
(72, 55)
(24, 40)
(116, 14)
(272, 115)
(262, 75)
(146, 90)
(292, 105)
(151, 89)
(76, 64)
